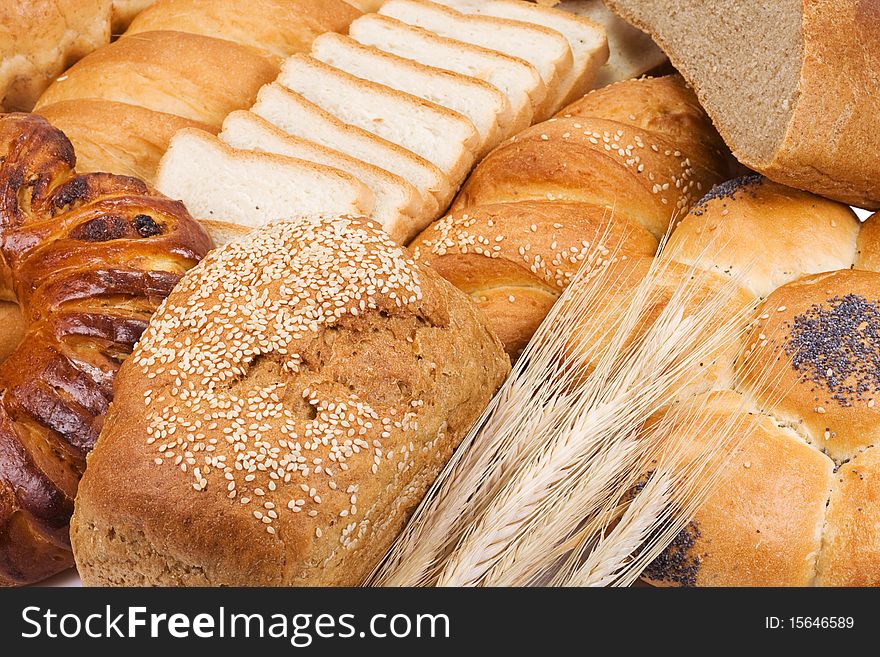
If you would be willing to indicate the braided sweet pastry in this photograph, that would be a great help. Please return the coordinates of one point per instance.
(88, 258)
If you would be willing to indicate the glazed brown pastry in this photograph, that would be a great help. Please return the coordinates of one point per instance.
(602, 180)
(88, 258)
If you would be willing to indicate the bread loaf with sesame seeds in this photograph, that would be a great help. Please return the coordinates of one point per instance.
(284, 414)
(602, 180)
(793, 86)
(797, 502)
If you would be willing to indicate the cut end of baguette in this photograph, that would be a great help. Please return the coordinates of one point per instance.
(251, 189)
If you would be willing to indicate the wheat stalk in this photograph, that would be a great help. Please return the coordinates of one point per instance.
(541, 482)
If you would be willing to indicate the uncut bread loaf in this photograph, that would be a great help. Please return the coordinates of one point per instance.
(793, 86)
(600, 181)
(284, 414)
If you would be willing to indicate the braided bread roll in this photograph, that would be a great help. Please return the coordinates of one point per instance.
(600, 181)
(88, 259)
(798, 502)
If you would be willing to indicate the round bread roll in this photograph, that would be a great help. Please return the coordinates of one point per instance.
(515, 259)
(797, 504)
(818, 340)
(192, 76)
(278, 28)
(41, 38)
(118, 137)
(762, 525)
(868, 253)
(723, 229)
(283, 414)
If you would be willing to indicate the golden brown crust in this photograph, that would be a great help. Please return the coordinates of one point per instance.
(279, 28)
(851, 544)
(762, 525)
(515, 259)
(722, 231)
(816, 340)
(600, 181)
(172, 72)
(88, 259)
(623, 281)
(868, 245)
(284, 414)
(41, 38)
(646, 177)
(11, 328)
(117, 137)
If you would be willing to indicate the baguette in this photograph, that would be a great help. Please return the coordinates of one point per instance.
(278, 28)
(170, 72)
(118, 137)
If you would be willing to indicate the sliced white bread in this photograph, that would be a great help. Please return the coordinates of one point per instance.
(220, 183)
(545, 49)
(438, 134)
(296, 116)
(515, 77)
(587, 39)
(398, 206)
(483, 104)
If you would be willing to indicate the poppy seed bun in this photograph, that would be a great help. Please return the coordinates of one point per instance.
(816, 340)
(724, 227)
(283, 414)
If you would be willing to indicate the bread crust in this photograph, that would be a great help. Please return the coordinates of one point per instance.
(171, 72)
(41, 38)
(825, 148)
(417, 363)
(117, 137)
(762, 525)
(278, 28)
(721, 232)
(88, 259)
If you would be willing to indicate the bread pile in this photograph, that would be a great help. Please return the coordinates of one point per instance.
(181, 63)
(291, 403)
(416, 94)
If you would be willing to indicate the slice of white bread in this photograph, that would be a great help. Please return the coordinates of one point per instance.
(587, 39)
(545, 49)
(485, 106)
(296, 116)
(219, 183)
(515, 77)
(438, 134)
(398, 206)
